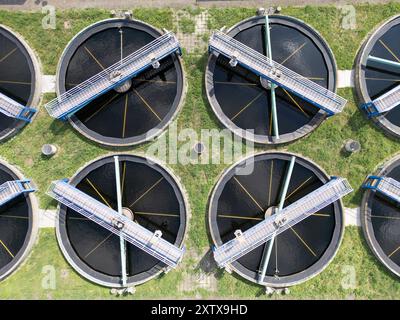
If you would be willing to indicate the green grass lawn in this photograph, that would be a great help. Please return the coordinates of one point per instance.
(187, 25)
(323, 146)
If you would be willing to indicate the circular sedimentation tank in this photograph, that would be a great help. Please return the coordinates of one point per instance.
(372, 80)
(249, 191)
(18, 225)
(380, 220)
(19, 77)
(151, 196)
(139, 109)
(241, 101)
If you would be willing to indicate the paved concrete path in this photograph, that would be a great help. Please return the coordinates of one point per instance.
(345, 78)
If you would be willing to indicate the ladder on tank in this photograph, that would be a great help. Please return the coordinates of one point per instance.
(14, 109)
(385, 185)
(150, 242)
(78, 97)
(238, 53)
(12, 189)
(262, 232)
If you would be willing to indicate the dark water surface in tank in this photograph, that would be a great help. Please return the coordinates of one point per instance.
(385, 219)
(131, 113)
(380, 80)
(149, 196)
(14, 224)
(15, 75)
(295, 249)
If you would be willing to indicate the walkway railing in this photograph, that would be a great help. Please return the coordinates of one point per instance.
(14, 109)
(12, 189)
(384, 103)
(150, 242)
(387, 186)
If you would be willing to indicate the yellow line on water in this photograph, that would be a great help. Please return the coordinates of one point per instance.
(295, 102)
(270, 182)
(98, 192)
(236, 83)
(294, 52)
(388, 49)
(100, 243)
(8, 54)
(78, 218)
(383, 79)
(248, 193)
(94, 58)
(303, 242)
(246, 106)
(124, 120)
(154, 81)
(315, 78)
(239, 217)
(15, 82)
(397, 249)
(321, 214)
(156, 214)
(147, 105)
(14, 217)
(147, 191)
(101, 108)
(298, 188)
(310, 78)
(385, 217)
(5, 247)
